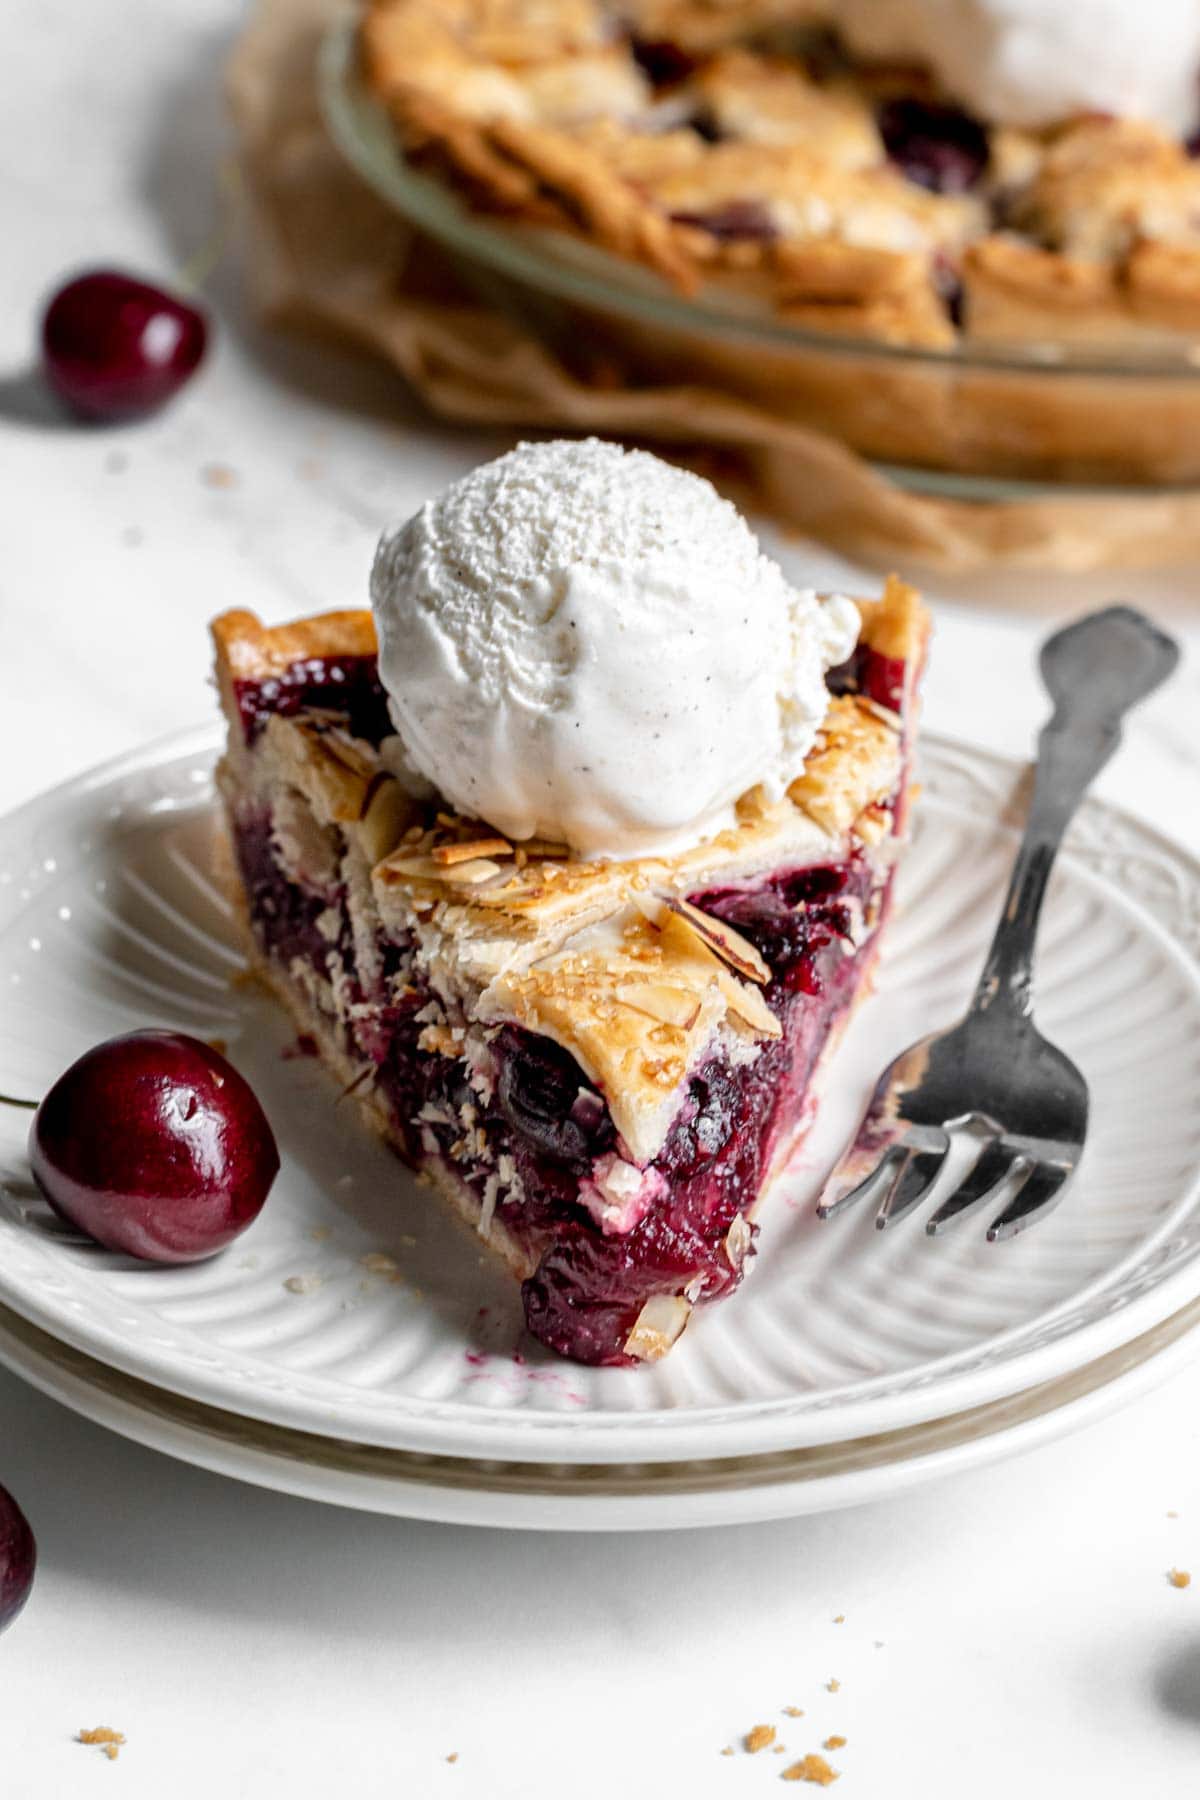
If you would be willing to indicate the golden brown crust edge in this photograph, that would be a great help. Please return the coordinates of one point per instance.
(248, 650)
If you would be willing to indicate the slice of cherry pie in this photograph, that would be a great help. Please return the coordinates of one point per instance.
(602, 1065)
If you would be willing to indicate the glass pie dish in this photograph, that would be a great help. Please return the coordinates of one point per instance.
(986, 421)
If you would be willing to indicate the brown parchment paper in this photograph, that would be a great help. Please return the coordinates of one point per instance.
(324, 255)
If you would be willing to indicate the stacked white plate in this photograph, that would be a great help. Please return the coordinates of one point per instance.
(357, 1347)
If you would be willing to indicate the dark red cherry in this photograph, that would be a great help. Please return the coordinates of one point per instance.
(938, 147)
(117, 348)
(153, 1144)
(18, 1559)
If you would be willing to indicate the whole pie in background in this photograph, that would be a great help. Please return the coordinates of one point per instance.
(921, 174)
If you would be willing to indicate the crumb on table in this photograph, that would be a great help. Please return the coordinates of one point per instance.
(1179, 1578)
(378, 1262)
(218, 475)
(834, 1743)
(758, 1737)
(105, 1738)
(812, 1768)
(833, 1684)
(794, 1712)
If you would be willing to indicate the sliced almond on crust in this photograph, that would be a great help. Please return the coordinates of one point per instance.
(404, 867)
(324, 764)
(748, 1005)
(716, 936)
(883, 713)
(668, 1005)
(659, 1324)
(386, 812)
(424, 868)
(652, 907)
(449, 854)
(718, 945)
(544, 848)
(348, 773)
(732, 948)
(337, 744)
(470, 874)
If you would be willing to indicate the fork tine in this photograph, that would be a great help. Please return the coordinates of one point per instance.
(992, 1170)
(921, 1169)
(1038, 1196)
(885, 1173)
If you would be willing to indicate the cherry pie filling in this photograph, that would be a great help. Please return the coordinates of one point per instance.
(517, 1120)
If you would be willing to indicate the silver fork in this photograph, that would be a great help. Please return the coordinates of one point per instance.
(994, 1073)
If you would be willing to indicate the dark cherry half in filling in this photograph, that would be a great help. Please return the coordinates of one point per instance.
(938, 147)
(545, 1097)
(663, 61)
(878, 678)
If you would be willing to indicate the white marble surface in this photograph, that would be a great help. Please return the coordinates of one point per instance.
(1011, 1631)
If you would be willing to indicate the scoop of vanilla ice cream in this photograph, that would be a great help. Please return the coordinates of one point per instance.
(583, 643)
(1037, 62)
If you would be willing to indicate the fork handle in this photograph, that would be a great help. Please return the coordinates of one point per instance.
(1095, 671)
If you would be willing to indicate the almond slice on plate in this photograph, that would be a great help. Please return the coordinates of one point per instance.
(738, 1239)
(659, 1324)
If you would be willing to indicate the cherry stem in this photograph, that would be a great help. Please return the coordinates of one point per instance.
(10, 1100)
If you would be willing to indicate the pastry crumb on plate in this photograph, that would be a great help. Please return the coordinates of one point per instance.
(812, 1768)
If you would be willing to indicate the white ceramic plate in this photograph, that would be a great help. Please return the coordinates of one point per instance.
(736, 1490)
(110, 918)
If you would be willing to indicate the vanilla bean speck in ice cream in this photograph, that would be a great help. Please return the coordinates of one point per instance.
(584, 643)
